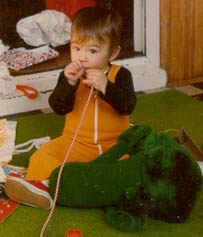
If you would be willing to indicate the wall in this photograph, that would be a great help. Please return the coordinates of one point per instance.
(181, 41)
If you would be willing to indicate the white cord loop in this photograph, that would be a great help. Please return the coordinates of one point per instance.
(37, 142)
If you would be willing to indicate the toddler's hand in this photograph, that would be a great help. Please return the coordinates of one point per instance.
(97, 79)
(73, 72)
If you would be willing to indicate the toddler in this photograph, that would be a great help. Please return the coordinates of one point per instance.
(95, 42)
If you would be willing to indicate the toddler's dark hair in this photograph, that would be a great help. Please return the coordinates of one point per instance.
(98, 23)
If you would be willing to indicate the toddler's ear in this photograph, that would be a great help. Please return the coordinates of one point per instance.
(115, 53)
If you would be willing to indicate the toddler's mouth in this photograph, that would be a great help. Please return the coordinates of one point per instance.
(83, 76)
(85, 70)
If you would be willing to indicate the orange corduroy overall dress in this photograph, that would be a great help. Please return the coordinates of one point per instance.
(99, 131)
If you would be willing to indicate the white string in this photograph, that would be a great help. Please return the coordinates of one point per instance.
(37, 142)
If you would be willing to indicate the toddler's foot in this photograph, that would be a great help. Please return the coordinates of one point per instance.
(24, 192)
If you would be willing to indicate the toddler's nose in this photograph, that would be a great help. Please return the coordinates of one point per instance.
(82, 57)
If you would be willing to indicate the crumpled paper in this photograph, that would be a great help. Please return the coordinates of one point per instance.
(3, 48)
(8, 140)
(47, 27)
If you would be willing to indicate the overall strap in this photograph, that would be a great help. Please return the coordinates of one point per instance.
(113, 72)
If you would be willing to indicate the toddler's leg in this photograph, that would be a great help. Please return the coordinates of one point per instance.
(32, 193)
(52, 154)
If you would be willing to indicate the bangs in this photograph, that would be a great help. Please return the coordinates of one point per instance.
(83, 33)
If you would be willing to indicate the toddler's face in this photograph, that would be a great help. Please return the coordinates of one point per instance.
(91, 53)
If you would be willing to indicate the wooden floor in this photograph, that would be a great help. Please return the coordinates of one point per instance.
(191, 90)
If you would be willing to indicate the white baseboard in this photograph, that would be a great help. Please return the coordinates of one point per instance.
(150, 81)
(146, 75)
(18, 103)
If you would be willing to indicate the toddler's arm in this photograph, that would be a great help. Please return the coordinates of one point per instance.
(121, 94)
(62, 98)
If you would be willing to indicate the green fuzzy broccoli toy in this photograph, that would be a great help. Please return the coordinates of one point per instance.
(159, 179)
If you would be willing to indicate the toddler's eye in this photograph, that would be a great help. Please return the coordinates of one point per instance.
(93, 51)
(75, 48)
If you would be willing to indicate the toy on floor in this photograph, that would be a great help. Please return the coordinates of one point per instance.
(160, 179)
(73, 233)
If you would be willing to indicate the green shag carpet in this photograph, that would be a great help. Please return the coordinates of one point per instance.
(164, 110)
